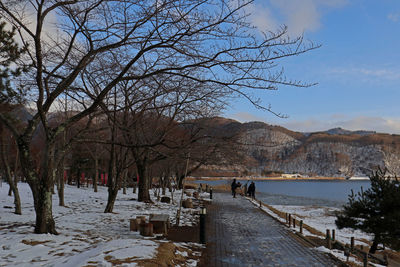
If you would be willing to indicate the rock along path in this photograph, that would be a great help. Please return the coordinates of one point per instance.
(240, 234)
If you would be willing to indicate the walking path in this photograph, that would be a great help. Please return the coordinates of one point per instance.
(239, 234)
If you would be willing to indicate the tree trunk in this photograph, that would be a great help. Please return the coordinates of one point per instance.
(78, 178)
(164, 185)
(134, 188)
(43, 207)
(180, 180)
(9, 191)
(41, 186)
(54, 177)
(17, 201)
(144, 184)
(124, 178)
(60, 186)
(112, 196)
(115, 179)
(112, 184)
(11, 180)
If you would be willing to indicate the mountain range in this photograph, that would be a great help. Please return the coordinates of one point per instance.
(336, 152)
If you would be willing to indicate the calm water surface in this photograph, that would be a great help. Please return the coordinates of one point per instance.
(321, 193)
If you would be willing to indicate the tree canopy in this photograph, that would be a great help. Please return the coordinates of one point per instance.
(375, 210)
(181, 56)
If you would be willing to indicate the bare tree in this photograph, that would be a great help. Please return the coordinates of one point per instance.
(206, 41)
(11, 177)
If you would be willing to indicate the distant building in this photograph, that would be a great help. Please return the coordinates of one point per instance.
(294, 175)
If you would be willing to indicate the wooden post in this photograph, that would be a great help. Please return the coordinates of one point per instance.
(365, 259)
(290, 220)
(328, 239)
(286, 217)
(385, 258)
(301, 226)
(352, 244)
(146, 229)
(347, 252)
(132, 225)
(333, 234)
(294, 222)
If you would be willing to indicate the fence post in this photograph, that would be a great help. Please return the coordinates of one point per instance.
(365, 259)
(290, 220)
(211, 192)
(333, 234)
(294, 222)
(347, 252)
(352, 243)
(301, 226)
(328, 239)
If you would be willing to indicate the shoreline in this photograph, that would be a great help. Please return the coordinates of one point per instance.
(273, 179)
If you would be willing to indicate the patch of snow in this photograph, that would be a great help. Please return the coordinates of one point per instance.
(87, 235)
(323, 218)
(340, 255)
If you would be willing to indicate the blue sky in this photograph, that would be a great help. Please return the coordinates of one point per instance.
(357, 68)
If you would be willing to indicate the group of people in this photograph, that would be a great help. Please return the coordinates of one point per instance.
(248, 191)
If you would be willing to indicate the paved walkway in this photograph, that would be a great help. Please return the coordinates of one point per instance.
(239, 234)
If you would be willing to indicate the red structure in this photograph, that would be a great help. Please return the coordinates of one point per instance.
(82, 178)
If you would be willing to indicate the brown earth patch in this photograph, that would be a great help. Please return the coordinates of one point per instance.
(34, 242)
(116, 262)
(167, 256)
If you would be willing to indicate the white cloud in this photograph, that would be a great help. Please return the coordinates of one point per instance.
(382, 73)
(393, 17)
(245, 117)
(299, 15)
(261, 17)
(27, 14)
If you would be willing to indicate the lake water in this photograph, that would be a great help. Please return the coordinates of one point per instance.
(332, 193)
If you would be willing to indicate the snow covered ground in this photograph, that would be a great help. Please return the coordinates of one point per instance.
(323, 218)
(87, 235)
(320, 218)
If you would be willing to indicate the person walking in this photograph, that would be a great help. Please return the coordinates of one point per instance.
(252, 190)
(234, 185)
